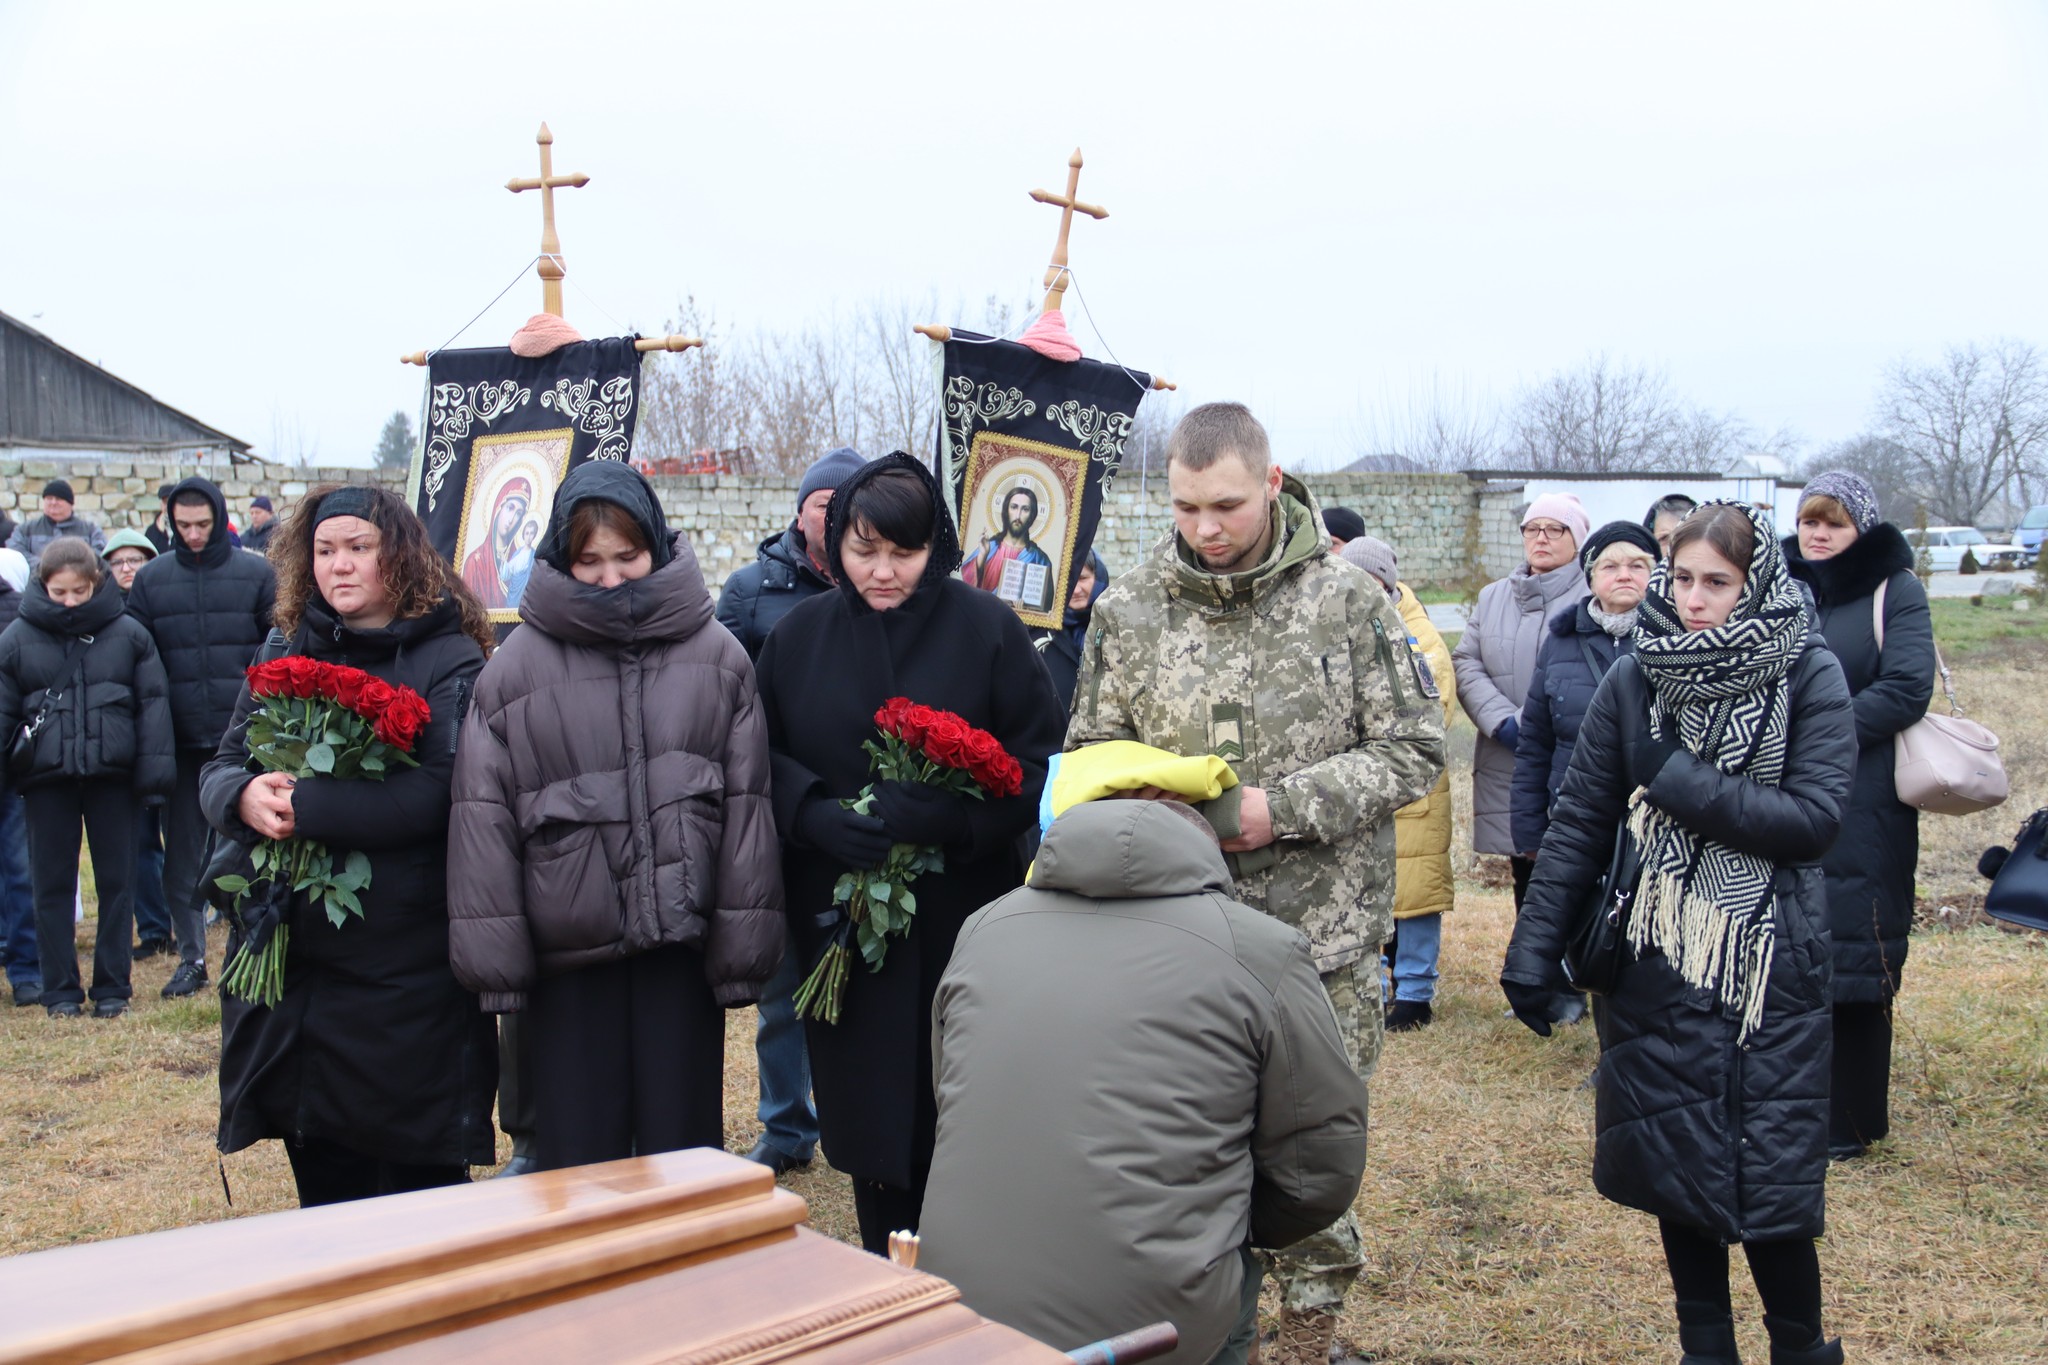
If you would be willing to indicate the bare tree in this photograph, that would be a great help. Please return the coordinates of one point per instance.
(1974, 426)
(1604, 417)
(1443, 428)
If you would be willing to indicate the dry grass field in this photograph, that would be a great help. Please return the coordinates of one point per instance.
(1487, 1242)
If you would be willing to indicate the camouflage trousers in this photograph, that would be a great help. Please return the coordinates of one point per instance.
(1319, 1272)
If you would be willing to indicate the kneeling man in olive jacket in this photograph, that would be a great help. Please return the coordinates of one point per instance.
(1138, 1079)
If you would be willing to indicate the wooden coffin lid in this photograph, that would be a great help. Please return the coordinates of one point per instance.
(686, 1256)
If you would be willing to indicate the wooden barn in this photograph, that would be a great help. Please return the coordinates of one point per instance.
(56, 404)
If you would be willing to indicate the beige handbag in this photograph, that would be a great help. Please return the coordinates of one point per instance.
(1946, 765)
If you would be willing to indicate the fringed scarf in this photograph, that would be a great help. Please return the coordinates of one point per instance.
(1722, 693)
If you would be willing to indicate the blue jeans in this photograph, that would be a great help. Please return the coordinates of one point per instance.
(1417, 942)
(17, 897)
(784, 1064)
(152, 912)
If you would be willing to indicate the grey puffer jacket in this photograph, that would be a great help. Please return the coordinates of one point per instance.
(1136, 1077)
(611, 793)
(1495, 659)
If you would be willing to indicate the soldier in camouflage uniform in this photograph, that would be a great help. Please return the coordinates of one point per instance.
(1242, 636)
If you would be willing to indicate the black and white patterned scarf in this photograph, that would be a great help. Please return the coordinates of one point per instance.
(1723, 694)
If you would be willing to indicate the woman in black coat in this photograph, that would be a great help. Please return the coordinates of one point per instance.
(1583, 642)
(1845, 553)
(376, 1068)
(102, 749)
(1061, 649)
(900, 624)
(1725, 745)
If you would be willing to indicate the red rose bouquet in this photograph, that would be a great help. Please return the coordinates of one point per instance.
(918, 744)
(316, 719)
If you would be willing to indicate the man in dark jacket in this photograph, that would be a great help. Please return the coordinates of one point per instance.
(790, 569)
(33, 535)
(1123, 1002)
(209, 607)
(262, 526)
(159, 531)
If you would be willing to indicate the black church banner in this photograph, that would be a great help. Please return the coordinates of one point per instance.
(500, 433)
(1026, 446)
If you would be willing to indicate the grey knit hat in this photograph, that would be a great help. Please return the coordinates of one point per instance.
(1373, 555)
(1852, 491)
(832, 469)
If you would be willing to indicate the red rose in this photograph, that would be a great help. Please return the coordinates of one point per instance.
(268, 679)
(303, 675)
(346, 685)
(402, 718)
(945, 740)
(895, 718)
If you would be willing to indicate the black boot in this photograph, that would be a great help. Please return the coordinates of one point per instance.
(1708, 1343)
(1816, 1350)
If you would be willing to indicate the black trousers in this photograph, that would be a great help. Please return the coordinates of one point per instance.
(628, 1058)
(328, 1173)
(882, 1209)
(108, 811)
(1787, 1276)
(515, 1082)
(1860, 1101)
(185, 834)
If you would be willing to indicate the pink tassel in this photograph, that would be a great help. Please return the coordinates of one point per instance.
(543, 333)
(1048, 335)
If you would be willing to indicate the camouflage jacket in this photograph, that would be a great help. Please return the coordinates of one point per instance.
(1299, 674)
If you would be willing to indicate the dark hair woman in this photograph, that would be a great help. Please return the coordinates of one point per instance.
(102, 748)
(612, 862)
(1845, 552)
(376, 1068)
(1724, 747)
(901, 624)
(1061, 649)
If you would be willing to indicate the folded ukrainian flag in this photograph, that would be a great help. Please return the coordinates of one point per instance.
(1124, 765)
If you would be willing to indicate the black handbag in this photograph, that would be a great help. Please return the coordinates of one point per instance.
(1593, 950)
(1595, 942)
(2019, 880)
(21, 750)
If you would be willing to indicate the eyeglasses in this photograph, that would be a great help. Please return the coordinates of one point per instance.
(1545, 530)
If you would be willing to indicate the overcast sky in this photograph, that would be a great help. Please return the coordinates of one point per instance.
(250, 211)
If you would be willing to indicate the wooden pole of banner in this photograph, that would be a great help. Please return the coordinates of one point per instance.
(551, 268)
(1056, 274)
(1069, 204)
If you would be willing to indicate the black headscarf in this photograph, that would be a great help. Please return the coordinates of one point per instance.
(616, 483)
(945, 546)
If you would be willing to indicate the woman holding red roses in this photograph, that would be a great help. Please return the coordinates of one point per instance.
(376, 1068)
(901, 624)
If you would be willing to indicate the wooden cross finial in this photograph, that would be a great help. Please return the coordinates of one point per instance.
(1069, 204)
(550, 268)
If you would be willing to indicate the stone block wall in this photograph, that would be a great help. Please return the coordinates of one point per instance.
(1433, 521)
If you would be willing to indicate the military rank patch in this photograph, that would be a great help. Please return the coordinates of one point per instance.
(1226, 731)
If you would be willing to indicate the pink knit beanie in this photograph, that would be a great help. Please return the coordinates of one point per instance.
(1565, 509)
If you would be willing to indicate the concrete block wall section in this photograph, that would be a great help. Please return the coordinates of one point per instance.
(1432, 520)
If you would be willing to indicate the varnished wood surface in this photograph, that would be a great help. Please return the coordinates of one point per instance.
(686, 1257)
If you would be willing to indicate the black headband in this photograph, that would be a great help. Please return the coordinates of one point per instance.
(351, 500)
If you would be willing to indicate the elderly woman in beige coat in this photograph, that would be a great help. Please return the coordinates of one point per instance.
(1423, 885)
(1496, 657)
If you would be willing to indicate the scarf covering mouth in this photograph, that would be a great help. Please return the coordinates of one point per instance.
(1723, 694)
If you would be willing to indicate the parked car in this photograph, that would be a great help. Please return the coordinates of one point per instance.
(1946, 544)
(2032, 526)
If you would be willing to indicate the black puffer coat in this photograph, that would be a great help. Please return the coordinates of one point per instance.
(111, 719)
(824, 672)
(1576, 655)
(1724, 1136)
(760, 594)
(1870, 870)
(374, 1045)
(209, 613)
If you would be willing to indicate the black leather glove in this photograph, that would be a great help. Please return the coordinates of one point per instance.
(1647, 757)
(1510, 732)
(1531, 1005)
(847, 837)
(916, 814)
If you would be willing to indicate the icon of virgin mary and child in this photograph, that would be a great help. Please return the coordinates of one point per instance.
(498, 569)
